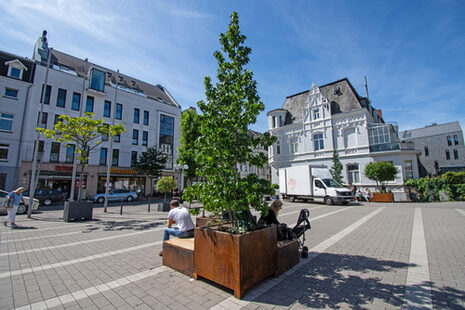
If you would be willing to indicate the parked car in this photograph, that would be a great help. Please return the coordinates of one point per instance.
(47, 196)
(115, 195)
(22, 208)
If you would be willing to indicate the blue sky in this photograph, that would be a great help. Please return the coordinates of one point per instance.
(412, 52)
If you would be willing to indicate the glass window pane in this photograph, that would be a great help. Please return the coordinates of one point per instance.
(15, 72)
(76, 101)
(119, 111)
(107, 108)
(61, 98)
(166, 141)
(136, 116)
(90, 104)
(97, 80)
(146, 117)
(11, 92)
(135, 136)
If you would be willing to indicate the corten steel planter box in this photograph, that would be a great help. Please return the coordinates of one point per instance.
(287, 255)
(235, 261)
(203, 221)
(77, 211)
(383, 197)
(163, 206)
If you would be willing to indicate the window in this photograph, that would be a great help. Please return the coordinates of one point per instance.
(61, 98)
(278, 148)
(107, 108)
(9, 92)
(105, 136)
(456, 154)
(117, 138)
(449, 141)
(55, 152)
(408, 169)
(40, 151)
(146, 118)
(2, 180)
(436, 165)
(447, 155)
(15, 72)
(90, 104)
(136, 115)
(379, 135)
(145, 138)
(57, 119)
(70, 153)
(133, 158)
(135, 136)
(119, 111)
(97, 80)
(167, 138)
(318, 141)
(426, 151)
(316, 114)
(6, 121)
(456, 139)
(4, 152)
(294, 145)
(103, 156)
(42, 123)
(273, 122)
(76, 102)
(115, 158)
(280, 121)
(46, 96)
(353, 173)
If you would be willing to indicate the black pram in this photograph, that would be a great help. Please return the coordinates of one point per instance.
(303, 224)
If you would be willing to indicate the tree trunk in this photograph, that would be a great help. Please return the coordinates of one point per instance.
(80, 183)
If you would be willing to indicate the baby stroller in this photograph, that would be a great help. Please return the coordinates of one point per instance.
(303, 224)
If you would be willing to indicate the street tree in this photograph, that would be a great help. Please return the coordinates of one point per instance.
(190, 132)
(151, 163)
(381, 172)
(336, 170)
(231, 105)
(85, 133)
(166, 185)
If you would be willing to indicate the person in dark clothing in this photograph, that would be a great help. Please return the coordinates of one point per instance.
(271, 217)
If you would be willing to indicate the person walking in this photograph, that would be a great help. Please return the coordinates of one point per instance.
(12, 203)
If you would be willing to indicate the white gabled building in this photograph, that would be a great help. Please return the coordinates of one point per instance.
(313, 123)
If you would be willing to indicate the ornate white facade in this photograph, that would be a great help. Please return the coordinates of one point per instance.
(312, 124)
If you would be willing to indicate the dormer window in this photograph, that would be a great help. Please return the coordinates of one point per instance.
(97, 80)
(316, 114)
(15, 69)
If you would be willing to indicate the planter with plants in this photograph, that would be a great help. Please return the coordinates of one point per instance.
(238, 254)
(165, 185)
(381, 172)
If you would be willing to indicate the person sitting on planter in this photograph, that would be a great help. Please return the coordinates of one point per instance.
(272, 216)
(178, 215)
(367, 194)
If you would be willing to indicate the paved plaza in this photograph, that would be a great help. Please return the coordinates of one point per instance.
(362, 256)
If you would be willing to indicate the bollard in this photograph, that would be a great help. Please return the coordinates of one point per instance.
(121, 208)
(148, 208)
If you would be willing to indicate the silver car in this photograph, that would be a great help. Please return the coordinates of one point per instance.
(116, 195)
(21, 208)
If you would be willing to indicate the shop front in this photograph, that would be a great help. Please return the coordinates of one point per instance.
(123, 178)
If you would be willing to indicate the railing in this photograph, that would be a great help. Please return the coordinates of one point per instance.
(392, 146)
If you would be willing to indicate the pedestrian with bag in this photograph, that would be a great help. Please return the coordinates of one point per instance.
(12, 203)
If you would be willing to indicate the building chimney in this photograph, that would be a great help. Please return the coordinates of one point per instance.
(380, 114)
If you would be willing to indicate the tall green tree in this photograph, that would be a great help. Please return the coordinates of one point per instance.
(336, 170)
(85, 133)
(231, 105)
(381, 172)
(190, 132)
(151, 163)
(166, 185)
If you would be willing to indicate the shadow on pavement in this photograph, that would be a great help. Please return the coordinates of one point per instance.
(24, 227)
(333, 280)
(122, 225)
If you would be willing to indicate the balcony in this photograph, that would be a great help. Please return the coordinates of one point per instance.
(394, 146)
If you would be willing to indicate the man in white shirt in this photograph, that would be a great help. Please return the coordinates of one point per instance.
(180, 216)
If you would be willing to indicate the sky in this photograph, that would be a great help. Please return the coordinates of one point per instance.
(412, 52)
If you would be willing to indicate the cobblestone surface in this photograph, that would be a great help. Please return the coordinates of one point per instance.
(112, 262)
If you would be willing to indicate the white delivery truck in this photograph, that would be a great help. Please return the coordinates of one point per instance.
(309, 182)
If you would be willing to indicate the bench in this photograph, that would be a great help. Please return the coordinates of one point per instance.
(287, 255)
(178, 254)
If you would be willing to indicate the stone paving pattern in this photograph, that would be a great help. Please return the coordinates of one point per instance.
(112, 262)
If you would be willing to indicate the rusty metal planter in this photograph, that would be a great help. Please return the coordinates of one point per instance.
(383, 197)
(235, 261)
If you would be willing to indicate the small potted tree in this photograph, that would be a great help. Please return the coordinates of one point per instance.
(239, 254)
(165, 185)
(381, 172)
